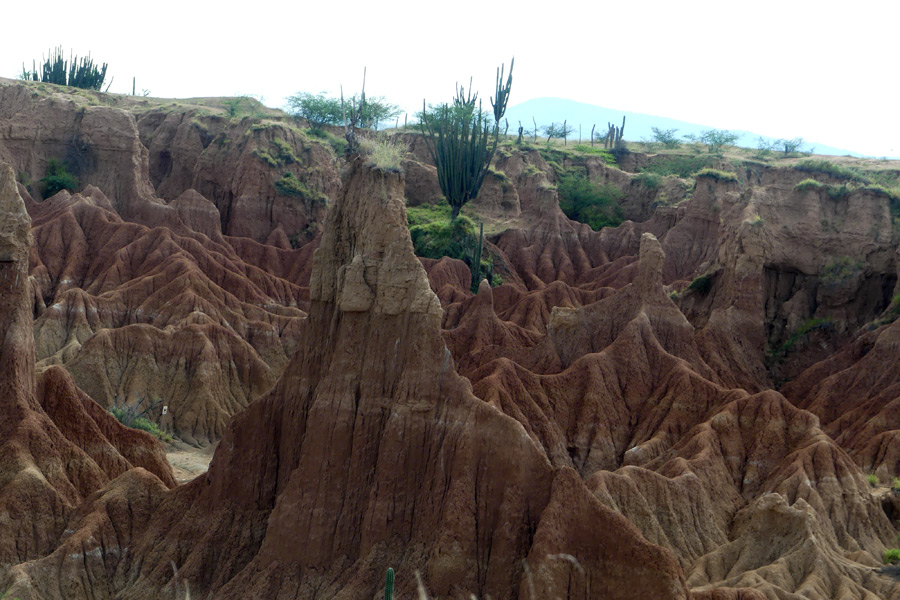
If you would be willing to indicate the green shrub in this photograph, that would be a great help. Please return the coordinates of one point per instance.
(320, 110)
(25, 179)
(666, 137)
(651, 181)
(283, 154)
(825, 167)
(289, 185)
(895, 484)
(809, 184)
(435, 234)
(607, 157)
(839, 192)
(555, 157)
(805, 328)
(720, 176)
(339, 145)
(701, 284)
(130, 417)
(587, 202)
(500, 176)
(57, 178)
(872, 479)
(426, 213)
(715, 139)
(840, 270)
(264, 155)
(892, 194)
(243, 106)
(200, 126)
(443, 237)
(546, 185)
(891, 555)
(681, 165)
(285, 151)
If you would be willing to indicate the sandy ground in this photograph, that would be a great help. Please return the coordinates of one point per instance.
(187, 461)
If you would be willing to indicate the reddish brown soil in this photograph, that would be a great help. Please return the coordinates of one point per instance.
(596, 427)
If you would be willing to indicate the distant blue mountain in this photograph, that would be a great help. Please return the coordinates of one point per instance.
(637, 125)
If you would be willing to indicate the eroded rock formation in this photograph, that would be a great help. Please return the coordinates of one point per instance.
(57, 447)
(603, 425)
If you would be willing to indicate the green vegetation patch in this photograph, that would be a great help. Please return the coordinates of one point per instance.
(385, 153)
(338, 145)
(809, 184)
(440, 237)
(265, 156)
(435, 235)
(129, 417)
(893, 194)
(587, 202)
(840, 270)
(278, 154)
(891, 555)
(285, 152)
(289, 185)
(57, 178)
(243, 106)
(426, 213)
(701, 284)
(720, 176)
(651, 181)
(824, 167)
(557, 156)
(681, 165)
(804, 330)
(500, 176)
(606, 155)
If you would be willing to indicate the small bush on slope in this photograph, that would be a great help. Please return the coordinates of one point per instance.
(587, 202)
(129, 417)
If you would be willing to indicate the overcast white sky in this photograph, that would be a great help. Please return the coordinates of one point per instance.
(781, 68)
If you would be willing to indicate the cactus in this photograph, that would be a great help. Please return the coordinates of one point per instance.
(389, 584)
(81, 74)
(614, 136)
(499, 104)
(462, 141)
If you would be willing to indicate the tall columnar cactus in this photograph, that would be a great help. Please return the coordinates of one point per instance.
(81, 73)
(462, 141)
(502, 93)
(389, 585)
(614, 136)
